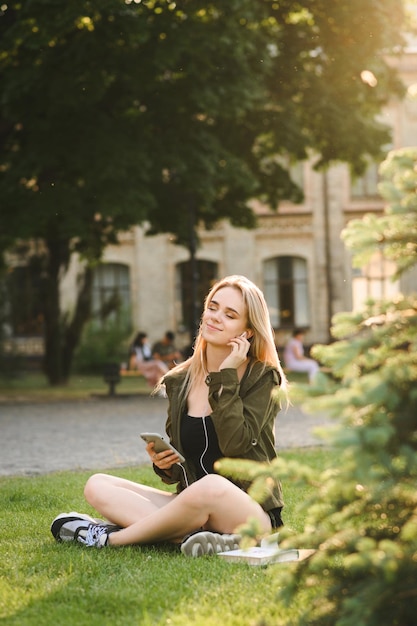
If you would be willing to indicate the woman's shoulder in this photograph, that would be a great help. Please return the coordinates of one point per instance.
(174, 378)
(258, 370)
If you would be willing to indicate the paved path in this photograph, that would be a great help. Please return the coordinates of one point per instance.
(103, 433)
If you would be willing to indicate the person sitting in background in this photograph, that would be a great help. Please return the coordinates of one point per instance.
(165, 350)
(141, 360)
(294, 357)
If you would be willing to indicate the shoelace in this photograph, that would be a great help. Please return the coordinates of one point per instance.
(94, 533)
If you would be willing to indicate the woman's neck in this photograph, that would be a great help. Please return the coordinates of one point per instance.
(215, 357)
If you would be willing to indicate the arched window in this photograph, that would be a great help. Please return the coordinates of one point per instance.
(111, 294)
(191, 291)
(286, 291)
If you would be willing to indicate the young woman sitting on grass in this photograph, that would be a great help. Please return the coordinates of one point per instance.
(222, 403)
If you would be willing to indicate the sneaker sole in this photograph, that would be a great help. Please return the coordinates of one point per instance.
(206, 542)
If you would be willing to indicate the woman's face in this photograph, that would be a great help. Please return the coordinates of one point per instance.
(225, 316)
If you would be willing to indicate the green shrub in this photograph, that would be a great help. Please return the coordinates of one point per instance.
(101, 345)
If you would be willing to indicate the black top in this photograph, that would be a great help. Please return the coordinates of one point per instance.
(200, 443)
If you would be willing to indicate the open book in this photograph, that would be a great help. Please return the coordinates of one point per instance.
(268, 552)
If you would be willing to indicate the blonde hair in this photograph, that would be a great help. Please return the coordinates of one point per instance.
(262, 346)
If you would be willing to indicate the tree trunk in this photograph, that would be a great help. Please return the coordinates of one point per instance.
(73, 331)
(52, 313)
(62, 334)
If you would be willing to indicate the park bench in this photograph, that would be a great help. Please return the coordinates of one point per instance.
(113, 374)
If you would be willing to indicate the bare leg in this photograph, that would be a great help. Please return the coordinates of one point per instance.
(122, 501)
(152, 370)
(309, 366)
(213, 502)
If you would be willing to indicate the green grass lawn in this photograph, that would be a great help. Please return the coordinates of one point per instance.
(33, 387)
(43, 582)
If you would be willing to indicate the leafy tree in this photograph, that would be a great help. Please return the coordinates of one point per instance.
(362, 520)
(174, 113)
(71, 139)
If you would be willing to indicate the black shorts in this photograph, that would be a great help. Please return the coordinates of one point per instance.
(275, 517)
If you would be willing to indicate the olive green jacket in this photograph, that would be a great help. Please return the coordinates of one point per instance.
(243, 415)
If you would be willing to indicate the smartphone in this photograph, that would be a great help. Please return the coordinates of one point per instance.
(161, 444)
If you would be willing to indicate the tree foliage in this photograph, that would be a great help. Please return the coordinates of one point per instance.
(362, 520)
(116, 113)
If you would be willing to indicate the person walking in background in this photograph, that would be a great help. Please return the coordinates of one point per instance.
(165, 350)
(294, 357)
(222, 402)
(141, 360)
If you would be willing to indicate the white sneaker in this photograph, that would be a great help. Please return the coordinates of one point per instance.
(76, 526)
(205, 542)
(97, 536)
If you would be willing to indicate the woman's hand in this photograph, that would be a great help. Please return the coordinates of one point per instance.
(163, 460)
(240, 348)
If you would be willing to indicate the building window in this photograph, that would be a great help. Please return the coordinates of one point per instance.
(111, 294)
(191, 291)
(366, 186)
(286, 291)
(374, 281)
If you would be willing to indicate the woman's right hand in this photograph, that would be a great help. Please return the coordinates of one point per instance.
(239, 352)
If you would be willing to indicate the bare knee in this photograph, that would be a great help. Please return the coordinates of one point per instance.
(94, 487)
(209, 489)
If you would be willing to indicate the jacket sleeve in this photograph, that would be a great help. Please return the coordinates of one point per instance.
(238, 418)
(174, 478)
